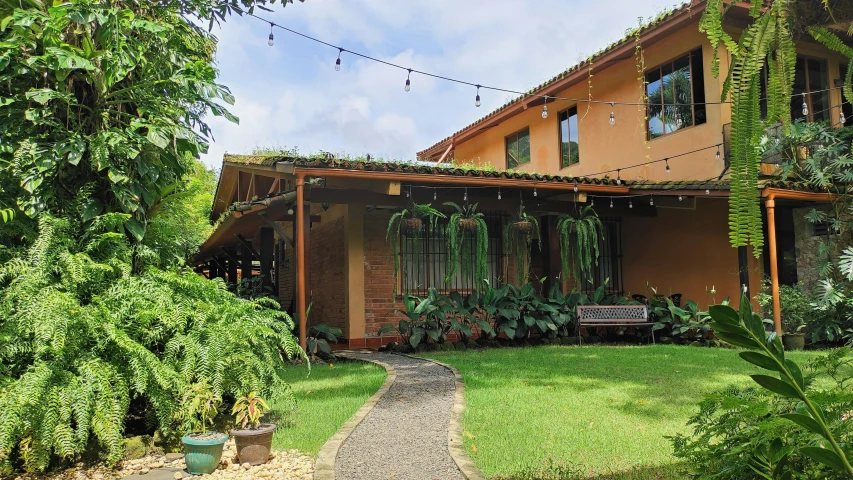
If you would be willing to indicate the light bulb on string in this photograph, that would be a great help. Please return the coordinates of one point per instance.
(841, 118)
(668, 171)
(679, 197)
(718, 152)
(499, 194)
(545, 108)
(534, 192)
(612, 114)
(338, 61)
(576, 187)
(465, 197)
(652, 200)
(477, 99)
(434, 194)
(707, 191)
(618, 177)
(591, 201)
(630, 204)
(805, 107)
(271, 40)
(611, 203)
(408, 80)
(409, 192)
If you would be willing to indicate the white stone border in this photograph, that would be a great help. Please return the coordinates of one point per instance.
(324, 466)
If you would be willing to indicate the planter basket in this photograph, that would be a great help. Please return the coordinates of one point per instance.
(253, 445)
(524, 226)
(794, 341)
(413, 224)
(203, 455)
(468, 224)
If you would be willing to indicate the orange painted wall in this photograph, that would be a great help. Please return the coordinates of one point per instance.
(684, 251)
(604, 147)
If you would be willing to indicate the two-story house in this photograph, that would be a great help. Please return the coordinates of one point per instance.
(650, 159)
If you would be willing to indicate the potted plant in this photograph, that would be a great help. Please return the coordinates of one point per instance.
(202, 449)
(796, 308)
(464, 224)
(411, 221)
(518, 236)
(579, 237)
(253, 439)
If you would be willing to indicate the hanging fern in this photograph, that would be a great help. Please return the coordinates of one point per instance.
(412, 220)
(465, 224)
(518, 238)
(80, 336)
(579, 238)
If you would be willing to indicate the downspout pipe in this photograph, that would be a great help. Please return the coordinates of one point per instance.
(300, 261)
(770, 206)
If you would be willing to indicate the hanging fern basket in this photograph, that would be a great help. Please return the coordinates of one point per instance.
(523, 226)
(413, 224)
(468, 224)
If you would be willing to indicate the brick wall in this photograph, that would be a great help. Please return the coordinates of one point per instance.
(378, 274)
(287, 276)
(328, 277)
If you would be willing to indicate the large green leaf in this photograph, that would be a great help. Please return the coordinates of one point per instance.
(760, 360)
(824, 456)
(805, 421)
(776, 386)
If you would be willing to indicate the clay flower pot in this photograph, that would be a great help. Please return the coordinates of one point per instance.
(253, 444)
(794, 341)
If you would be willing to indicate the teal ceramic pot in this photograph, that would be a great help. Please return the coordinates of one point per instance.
(202, 451)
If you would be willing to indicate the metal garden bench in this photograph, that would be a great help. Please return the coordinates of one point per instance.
(614, 316)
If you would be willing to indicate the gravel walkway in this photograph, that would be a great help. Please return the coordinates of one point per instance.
(405, 435)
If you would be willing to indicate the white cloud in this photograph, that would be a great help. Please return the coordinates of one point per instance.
(290, 94)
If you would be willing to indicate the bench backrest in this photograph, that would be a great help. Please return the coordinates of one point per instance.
(613, 313)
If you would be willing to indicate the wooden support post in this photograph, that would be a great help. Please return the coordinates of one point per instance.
(212, 271)
(300, 261)
(266, 251)
(232, 266)
(246, 262)
(551, 252)
(770, 206)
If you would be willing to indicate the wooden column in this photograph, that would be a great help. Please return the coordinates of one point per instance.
(267, 245)
(245, 262)
(300, 260)
(212, 270)
(770, 205)
(550, 252)
(232, 266)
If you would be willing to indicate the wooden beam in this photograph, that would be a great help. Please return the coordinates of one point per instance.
(275, 186)
(267, 246)
(277, 228)
(248, 246)
(251, 190)
(246, 261)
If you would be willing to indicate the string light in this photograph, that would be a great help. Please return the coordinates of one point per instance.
(271, 40)
(499, 194)
(338, 61)
(612, 114)
(652, 200)
(409, 192)
(408, 80)
(630, 204)
(611, 203)
(465, 197)
(841, 118)
(718, 152)
(534, 192)
(668, 171)
(679, 197)
(591, 201)
(618, 178)
(545, 108)
(707, 191)
(805, 107)
(576, 187)
(434, 195)
(477, 100)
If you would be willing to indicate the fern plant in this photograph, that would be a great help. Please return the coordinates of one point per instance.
(410, 220)
(579, 236)
(465, 224)
(82, 336)
(518, 239)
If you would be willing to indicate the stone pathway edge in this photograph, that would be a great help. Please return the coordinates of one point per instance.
(324, 466)
(454, 429)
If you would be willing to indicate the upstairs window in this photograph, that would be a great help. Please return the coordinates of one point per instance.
(810, 78)
(676, 94)
(518, 148)
(569, 147)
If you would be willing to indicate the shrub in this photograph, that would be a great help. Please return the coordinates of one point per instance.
(81, 337)
(797, 306)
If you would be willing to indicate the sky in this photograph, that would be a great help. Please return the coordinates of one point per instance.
(290, 96)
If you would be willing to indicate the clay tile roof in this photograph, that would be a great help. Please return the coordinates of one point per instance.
(629, 37)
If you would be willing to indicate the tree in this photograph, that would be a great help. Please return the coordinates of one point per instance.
(768, 40)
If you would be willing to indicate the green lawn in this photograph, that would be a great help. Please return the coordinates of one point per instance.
(596, 411)
(325, 399)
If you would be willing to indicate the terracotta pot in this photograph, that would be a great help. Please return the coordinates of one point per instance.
(525, 226)
(413, 224)
(468, 223)
(794, 341)
(253, 444)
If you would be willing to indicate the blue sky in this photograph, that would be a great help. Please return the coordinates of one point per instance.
(290, 95)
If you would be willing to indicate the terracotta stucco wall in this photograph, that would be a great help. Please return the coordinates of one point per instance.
(684, 251)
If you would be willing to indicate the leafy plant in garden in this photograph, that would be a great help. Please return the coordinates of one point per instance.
(425, 318)
(410, 220)
(199, 407)
(745, 329)
(534, 312)
(579, 236)
(518, 238)
(248, 410)
(468, 313)
(80, 336)
(797, 306)
(467, 224)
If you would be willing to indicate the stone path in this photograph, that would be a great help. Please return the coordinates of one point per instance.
(405, 435)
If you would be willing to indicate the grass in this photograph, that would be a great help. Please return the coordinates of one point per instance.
(589, 412)
(325, 399)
